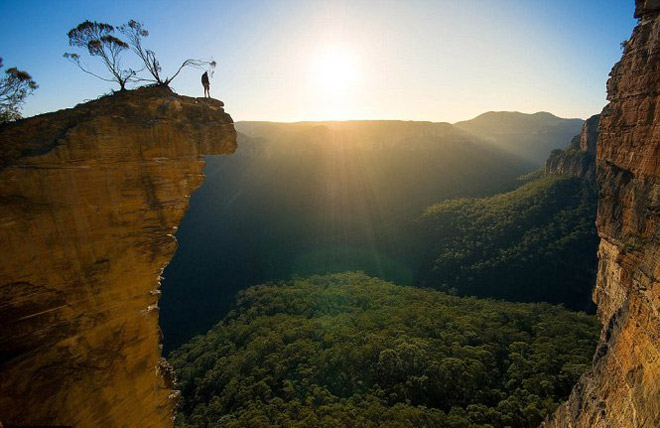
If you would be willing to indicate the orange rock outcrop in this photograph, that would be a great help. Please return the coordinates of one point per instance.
(90, 199)
(623, 388)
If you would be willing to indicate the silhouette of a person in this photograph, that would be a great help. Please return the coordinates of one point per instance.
(206, 84)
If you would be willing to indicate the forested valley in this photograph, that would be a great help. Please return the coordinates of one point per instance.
(317, 197)
(382, 250)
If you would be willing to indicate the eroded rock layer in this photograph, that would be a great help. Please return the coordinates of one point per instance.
(623, 389)
(90, 198)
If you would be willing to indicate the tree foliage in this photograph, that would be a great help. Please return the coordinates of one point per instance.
(15, 86)
(135, 32)
(536, 243)
(99, 40)
(348, 350)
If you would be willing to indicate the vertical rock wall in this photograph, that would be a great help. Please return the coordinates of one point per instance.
(623, 389)
(579, 159)
(90, 198)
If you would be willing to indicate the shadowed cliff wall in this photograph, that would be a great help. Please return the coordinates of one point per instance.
(90, 198)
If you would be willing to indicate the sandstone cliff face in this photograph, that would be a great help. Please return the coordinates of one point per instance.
(90, 198)
(579, 160)
(623, 389)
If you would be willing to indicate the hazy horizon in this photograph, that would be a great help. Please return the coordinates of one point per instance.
(412, 120)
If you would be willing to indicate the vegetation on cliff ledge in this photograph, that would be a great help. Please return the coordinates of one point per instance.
(349, 350)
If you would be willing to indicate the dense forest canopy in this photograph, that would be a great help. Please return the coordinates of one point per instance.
(314, 198)
(536, 243)
(349, 350)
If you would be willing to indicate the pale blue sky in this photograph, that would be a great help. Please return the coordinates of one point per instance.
(435, 60)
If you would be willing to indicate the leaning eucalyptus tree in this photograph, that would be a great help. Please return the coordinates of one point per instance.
(99, 40)
(135, 32)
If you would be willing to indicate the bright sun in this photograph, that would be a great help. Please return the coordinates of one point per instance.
(335, 70)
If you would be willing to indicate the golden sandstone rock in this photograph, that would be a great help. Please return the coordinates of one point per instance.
(90, 198)
(623, 389)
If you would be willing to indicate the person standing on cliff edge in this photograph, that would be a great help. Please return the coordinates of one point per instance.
(206, 84)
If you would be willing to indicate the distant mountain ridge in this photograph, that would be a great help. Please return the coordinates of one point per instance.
(375, 132)
(530, 136)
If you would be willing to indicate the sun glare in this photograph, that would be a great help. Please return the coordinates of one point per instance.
(335, 70)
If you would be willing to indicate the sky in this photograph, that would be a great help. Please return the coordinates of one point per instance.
(286, 60)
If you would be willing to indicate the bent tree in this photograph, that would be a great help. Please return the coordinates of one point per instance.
(135, 31)
(99, 40)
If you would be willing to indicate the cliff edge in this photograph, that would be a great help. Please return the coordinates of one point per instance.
(623, 388)
(90, 198)
(579, 159)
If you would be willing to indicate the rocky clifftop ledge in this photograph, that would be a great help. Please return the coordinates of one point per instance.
(579, 159)
(623, 388)
(90, 198)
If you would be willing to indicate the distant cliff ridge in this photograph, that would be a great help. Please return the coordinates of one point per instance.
(529, 136)
(623, 388)
(90, 198)
(579, 159)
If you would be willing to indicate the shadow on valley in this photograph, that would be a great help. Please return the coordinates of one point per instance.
(314, 198)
